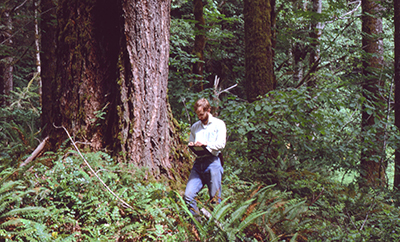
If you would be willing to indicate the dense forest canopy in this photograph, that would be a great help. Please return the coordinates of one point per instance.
(309, 90)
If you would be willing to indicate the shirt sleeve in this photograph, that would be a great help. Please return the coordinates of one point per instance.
(218, 145)
(191, 136)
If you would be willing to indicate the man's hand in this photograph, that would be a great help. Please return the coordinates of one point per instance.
(198, 143)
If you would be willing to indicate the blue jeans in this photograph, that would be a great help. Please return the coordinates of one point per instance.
(206, 171)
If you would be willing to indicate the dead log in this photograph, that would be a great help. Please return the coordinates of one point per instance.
(35, 153)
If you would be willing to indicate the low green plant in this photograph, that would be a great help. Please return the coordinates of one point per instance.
(67, 202)
(18, 218)
(261, 213)
(19, 124)
(79, 204)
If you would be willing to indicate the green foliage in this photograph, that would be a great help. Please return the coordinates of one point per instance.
(309, 129)
(19, 123)
(315, 133)
(79, 206)
(262, 213)
(223, 51)
(75, 206)
(16, 211)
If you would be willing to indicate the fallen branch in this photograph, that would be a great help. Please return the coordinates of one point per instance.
(35, 153)
(91, 169)
(315, 199)
(366, 218)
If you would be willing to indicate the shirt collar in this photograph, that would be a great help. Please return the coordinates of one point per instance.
(210, 119)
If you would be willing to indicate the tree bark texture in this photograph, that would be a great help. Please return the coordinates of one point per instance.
(315, 35)
(37, 43)
(143, 112)
(397, 86)
(273, 26)
(199, 41)
(110, 85)
(259, 70)
(48, 29)
(260, 77)
(373, 155)
(6, 61)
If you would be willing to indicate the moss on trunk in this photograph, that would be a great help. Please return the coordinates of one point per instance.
(110, 85)
(260, 77)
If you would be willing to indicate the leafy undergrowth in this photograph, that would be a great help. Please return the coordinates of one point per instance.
(66, 202)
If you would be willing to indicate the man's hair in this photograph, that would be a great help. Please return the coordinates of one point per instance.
(202, 102)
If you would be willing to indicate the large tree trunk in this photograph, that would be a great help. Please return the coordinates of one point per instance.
(259, 70)
(110, 85)
(145, 135)
(373, 155)
(397, 85)
(260, 77)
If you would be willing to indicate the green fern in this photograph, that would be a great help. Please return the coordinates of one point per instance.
(17, 220)
(264, 208)
(19, 124)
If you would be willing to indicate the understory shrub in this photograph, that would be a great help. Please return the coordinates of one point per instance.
(67, 202)
(19, 124)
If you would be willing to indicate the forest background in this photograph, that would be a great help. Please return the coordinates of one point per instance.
(306, 88)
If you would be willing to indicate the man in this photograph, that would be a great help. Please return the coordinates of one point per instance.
(207, 170)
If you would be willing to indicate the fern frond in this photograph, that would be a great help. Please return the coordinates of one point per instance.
(6, 200)
(5, 174)
(271, 234)
(238, 213)
(249, 219)
(296, 209)
(27, 230)
(221, 210)
(9, 185)
(12, 222)
(27, 211)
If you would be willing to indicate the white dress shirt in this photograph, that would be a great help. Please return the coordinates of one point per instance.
(213, 133)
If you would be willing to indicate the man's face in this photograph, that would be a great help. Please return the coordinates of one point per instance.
(202, 115)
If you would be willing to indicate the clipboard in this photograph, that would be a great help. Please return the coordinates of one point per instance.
(200, 150)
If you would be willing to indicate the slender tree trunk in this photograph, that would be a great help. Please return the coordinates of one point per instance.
(199, 41)
(273, 26)
(397, 86)
(1, 87)
(6, 65)
(315, 36)
(37, 44)
(48, 28)
(373, 155)
(260, 77)
(110, 84)
(298, 58)
(298, 48)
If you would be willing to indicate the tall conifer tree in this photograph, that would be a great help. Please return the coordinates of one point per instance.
(397, 85)
(372, 155)
(106, 79)
(259, 76)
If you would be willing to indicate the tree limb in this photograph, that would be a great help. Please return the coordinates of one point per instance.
(342, 17)
(35, 153)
